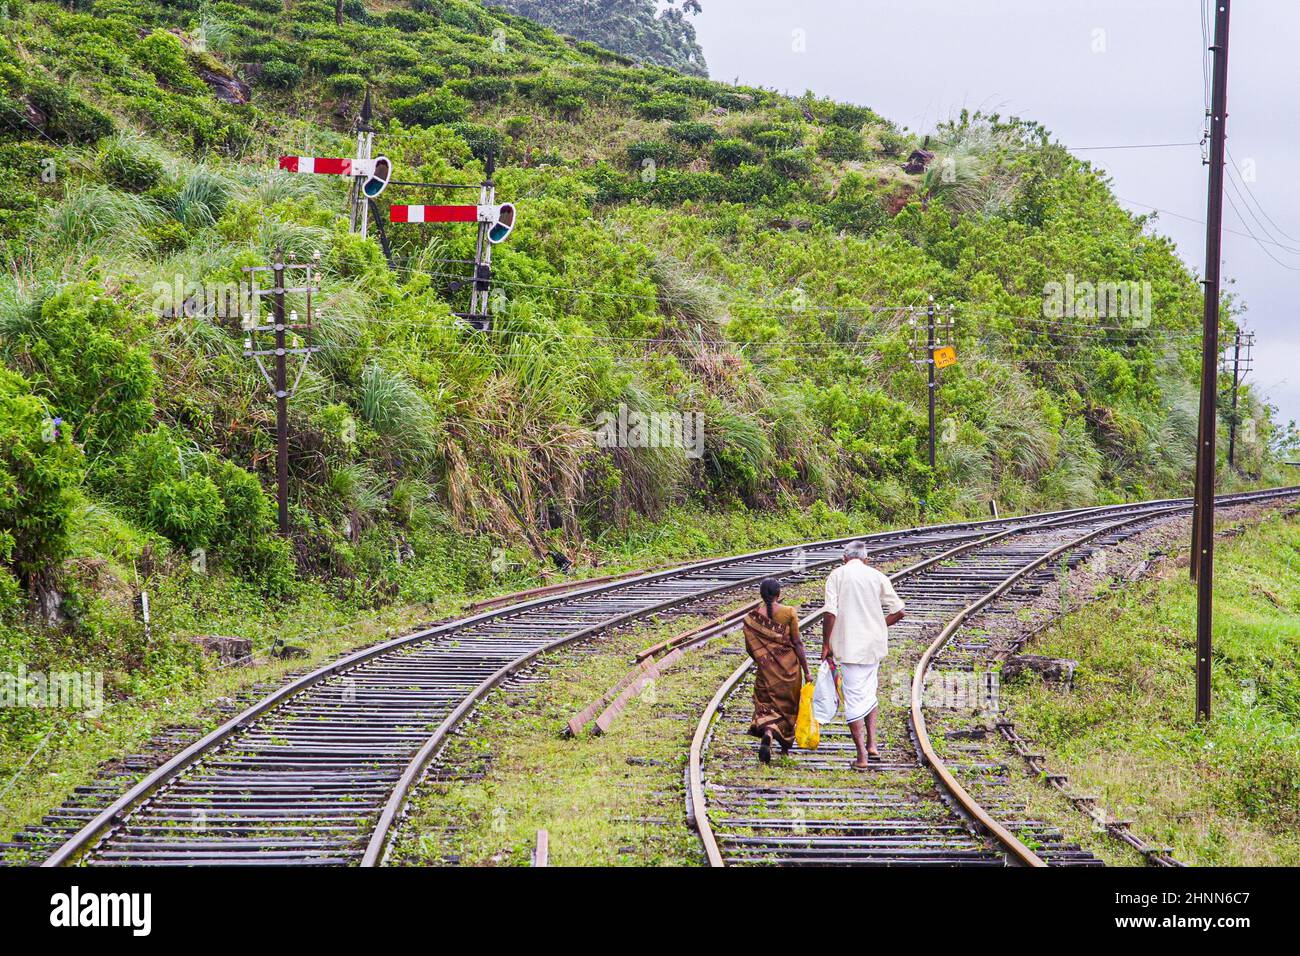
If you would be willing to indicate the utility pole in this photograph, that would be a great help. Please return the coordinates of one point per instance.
(929, 327)
(1240, 368)
(936, 353)
(281, 396)
(284, 323)
(1203, 519)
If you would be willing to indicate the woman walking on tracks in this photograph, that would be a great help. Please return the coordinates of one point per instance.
(772, 640)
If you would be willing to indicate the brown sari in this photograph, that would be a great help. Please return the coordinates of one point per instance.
(777, 672)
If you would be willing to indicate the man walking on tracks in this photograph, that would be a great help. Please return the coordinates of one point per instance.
(860, 604)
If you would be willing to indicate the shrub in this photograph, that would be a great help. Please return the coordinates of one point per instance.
(852, 117)
(40, 469)
(188, 510)
(693, 134)
(81, 350)
(480, 139)
(162, 54)
(126, 165)
(894, 144)
(735, 100)
(773, 136)
(657, 150)
(408, 21)
(347, 84)
(246, 532)
(69, 119)
(792, 163)
(518, 126)
(672, 187)
(482, 89)
(753, 184)
(154, 457)
(570, 107)
(430, 109)
(666, 106)
(732, 153)
(280, 75)
(841, 144)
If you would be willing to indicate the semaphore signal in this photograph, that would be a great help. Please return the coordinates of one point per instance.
(374, 173)
(495, 222)
(500, 218)
(370, 176)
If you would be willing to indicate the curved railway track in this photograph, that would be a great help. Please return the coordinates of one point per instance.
(318, 772)
(940, 796)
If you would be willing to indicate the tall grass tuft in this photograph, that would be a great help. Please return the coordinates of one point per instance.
(203, 196)
(686, 298)
(355, 489)
(392, 404)
(94, 219)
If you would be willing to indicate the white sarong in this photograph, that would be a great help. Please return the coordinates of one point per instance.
(860, 688)
(860, 685)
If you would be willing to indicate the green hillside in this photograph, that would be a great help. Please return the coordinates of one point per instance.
(683, 245)
(644, 30)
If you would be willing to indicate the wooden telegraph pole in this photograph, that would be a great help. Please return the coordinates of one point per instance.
(936, 352)
(291, 335)
(929, 328)
(1241, 365)
(1203, 520)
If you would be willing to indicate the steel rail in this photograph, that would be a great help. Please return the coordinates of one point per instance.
(1018, 850)
(695, 763)
(1024, 855)
(84, 838)
(1149, 511)
(379, 840)
(140, 793)
(377, 846)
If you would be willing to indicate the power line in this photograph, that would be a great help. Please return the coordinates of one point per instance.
(1251, 193)
(1258, 241)
(1256, 218)
(1177, 215)
(1084, 149)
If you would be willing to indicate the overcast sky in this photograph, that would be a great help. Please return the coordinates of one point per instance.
(1096, 73)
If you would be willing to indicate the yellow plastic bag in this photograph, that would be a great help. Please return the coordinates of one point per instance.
(807, 732)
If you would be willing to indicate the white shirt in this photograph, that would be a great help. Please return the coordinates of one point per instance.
(860, 597)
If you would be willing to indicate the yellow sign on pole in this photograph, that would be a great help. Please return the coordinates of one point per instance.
(944, 357)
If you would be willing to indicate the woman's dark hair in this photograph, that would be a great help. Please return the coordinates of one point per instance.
(769, 590)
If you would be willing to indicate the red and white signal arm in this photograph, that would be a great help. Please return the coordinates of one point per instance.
(374, 173)
(500, 217)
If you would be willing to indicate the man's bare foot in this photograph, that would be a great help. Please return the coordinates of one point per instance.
(860, 766)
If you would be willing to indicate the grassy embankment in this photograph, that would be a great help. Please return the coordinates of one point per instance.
(1223, 794)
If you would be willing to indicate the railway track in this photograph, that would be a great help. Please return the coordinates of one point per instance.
(318, 772)
(940, 795)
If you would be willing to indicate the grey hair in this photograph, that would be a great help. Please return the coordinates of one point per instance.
(855, 549)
